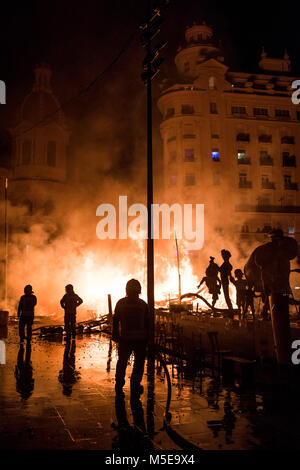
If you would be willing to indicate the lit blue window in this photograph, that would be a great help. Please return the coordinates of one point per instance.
(241, 154)
(215, 155)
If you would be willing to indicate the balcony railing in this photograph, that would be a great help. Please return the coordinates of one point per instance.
(267, 208)
(267, 185)
(289, 161)
(267, 161)
(244, 161)
(245, 184)
(291, 186)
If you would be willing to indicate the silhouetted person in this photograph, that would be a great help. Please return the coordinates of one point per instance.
(212, 280)
(69, 303)
(244, 294)
(240, 284)
(225, 273)
(68, 376)
(26, 313)
(24, 372)
(131, 332)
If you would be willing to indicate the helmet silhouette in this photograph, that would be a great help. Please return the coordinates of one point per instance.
(28, 289)
(69, 289)
(133, 287)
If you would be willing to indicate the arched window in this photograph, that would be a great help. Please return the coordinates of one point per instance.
(211, 83)
(51, 153)
(26, 152)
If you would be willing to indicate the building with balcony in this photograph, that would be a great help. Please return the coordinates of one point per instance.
(231, 140)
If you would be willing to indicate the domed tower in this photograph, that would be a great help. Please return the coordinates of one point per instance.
(200, 46)
(40, 147)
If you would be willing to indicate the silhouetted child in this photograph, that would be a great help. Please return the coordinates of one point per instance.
(240, 285)
(69, 303)
(244, 294)
(26, 312)
(212, 281)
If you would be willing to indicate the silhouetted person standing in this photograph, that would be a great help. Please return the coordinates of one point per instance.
(212, 280)
(225, 273)
(69, 303)
(26, 312)
(131, 332)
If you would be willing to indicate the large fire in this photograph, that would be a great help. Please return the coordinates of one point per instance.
(96, 273)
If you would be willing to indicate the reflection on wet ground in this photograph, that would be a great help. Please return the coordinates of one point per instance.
(57, 395)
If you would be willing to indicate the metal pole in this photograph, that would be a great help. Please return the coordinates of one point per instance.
(5, 241)
(150, 247)
(178, 269)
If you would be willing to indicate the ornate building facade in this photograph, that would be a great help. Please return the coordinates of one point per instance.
(40, 143)
(232, 140)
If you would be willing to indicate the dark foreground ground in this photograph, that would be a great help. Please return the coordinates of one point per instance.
(56, 396)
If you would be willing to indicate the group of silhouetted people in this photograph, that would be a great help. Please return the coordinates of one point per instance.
(130, 328)
(244, 292)
(28, 301)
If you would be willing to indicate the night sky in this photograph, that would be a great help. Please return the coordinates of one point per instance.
(80, 39)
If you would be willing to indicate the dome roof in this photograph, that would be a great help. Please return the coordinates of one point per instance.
(41, 103)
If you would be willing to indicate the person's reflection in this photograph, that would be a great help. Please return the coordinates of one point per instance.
(109, 356)
(24, 372)
(68, 376)
(131, 437)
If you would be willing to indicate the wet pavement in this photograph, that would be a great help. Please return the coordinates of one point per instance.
(61, 396)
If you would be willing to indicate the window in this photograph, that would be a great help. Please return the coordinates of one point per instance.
(298, 115)
(241, 154)
(265, 158)
(26, 152)
(287, 179)
(266, 183)
(260, 112)
(215, 155)
(189, 155)
(238, 110)
(287, 139)
(187, 109)
(190, 179)
(243, 182)
(288, 160)
(215, 136)
(170, 112)
(288, 184)
(213, 108)
(282, 113)
(172, 156)
(243, 158)
(243, 137)
(211, 83)
(51, 153)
